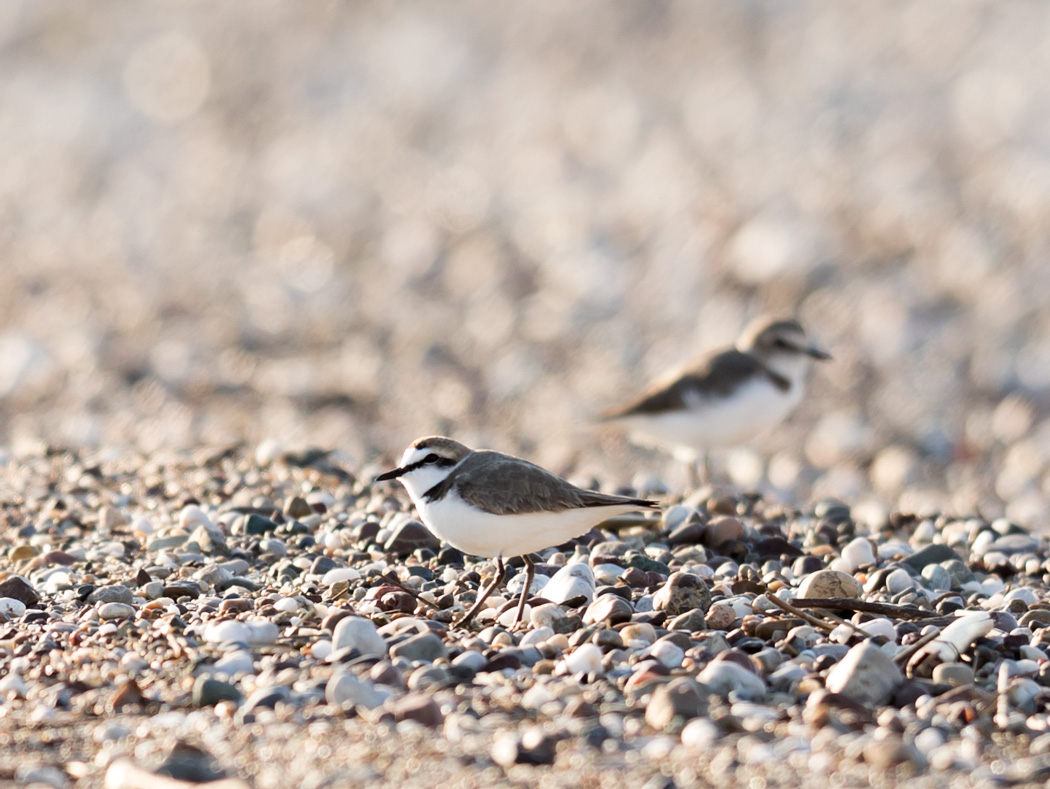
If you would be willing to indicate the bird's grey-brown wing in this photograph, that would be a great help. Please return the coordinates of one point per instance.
(506, 485)
(714, 376)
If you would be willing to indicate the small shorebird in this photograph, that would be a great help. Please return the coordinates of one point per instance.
(489, 504)
(726, 398)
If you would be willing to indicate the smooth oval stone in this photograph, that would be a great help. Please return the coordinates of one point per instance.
(12, 608)
(609, 608)
(1036, 617)
(115, 611)
(13, 686)
(346, 690)
(898, 581)
(536, 636)
(829, 583)
(409, 536)
(418, 707)
(858, 553)
(931, 554)
(515, 584)
(115, 593)
(547, 615)
(297, 507)
(238, 662)
(879, 626)
(959, 572)
(228, 631)
(866, 674)
(471, 659)
(928, 739)
(572, 580)
(641, 632)
(689, 533)
(701, 734)
(1022, 594)
(192, 516)
(680, 699)
(355, 632)
(721, 531)
(724, 677)
(18, 588)
(720, 616)
(426, 647)
(262, 632)
(340, 574)
(585, 659)
(1011, 544)
(678, 515)
(937, 578)
(689, 621)
(606, 574)
(954, 674)
(320, 649)
(208, 692)
(668, 653)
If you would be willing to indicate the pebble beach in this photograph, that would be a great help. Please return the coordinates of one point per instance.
(212, 618)
(245, 259)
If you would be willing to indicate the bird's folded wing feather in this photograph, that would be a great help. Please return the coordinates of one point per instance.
(508, 486)
(715, 376)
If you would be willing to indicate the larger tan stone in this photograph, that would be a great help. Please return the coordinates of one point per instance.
(829, 583)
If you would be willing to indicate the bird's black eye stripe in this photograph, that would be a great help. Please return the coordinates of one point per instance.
(431, 459)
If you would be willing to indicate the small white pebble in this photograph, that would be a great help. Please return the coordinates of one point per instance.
(536, 636)
(585, 659)
(320, 649)
(12, 608)
(668, 653)
(700, 734)
(340, 574)
(899, 581)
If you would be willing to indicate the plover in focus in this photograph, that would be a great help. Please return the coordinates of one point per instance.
(489, 504)
(726, 398)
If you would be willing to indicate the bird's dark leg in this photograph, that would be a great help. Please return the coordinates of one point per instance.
(698, 471)
(530, 575)
(501, 576)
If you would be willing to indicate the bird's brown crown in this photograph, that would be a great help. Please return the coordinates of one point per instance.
(442, 446)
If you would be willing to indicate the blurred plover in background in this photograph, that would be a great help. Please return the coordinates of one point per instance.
(726, 398)
(489, 504)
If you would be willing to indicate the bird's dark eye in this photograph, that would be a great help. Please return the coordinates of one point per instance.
(431, 458)
(780, 343)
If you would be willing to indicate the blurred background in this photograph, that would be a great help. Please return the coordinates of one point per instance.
(350, 224)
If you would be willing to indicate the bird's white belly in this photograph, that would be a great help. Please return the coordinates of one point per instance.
(715, 422)
(481, 533)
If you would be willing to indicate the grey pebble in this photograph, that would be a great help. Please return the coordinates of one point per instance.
(116, 593)
(680, 699)
(208, 692)
(427, 647)
(115, 611)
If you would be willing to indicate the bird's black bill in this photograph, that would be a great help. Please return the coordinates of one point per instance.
(394, 473)
(816, 353)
